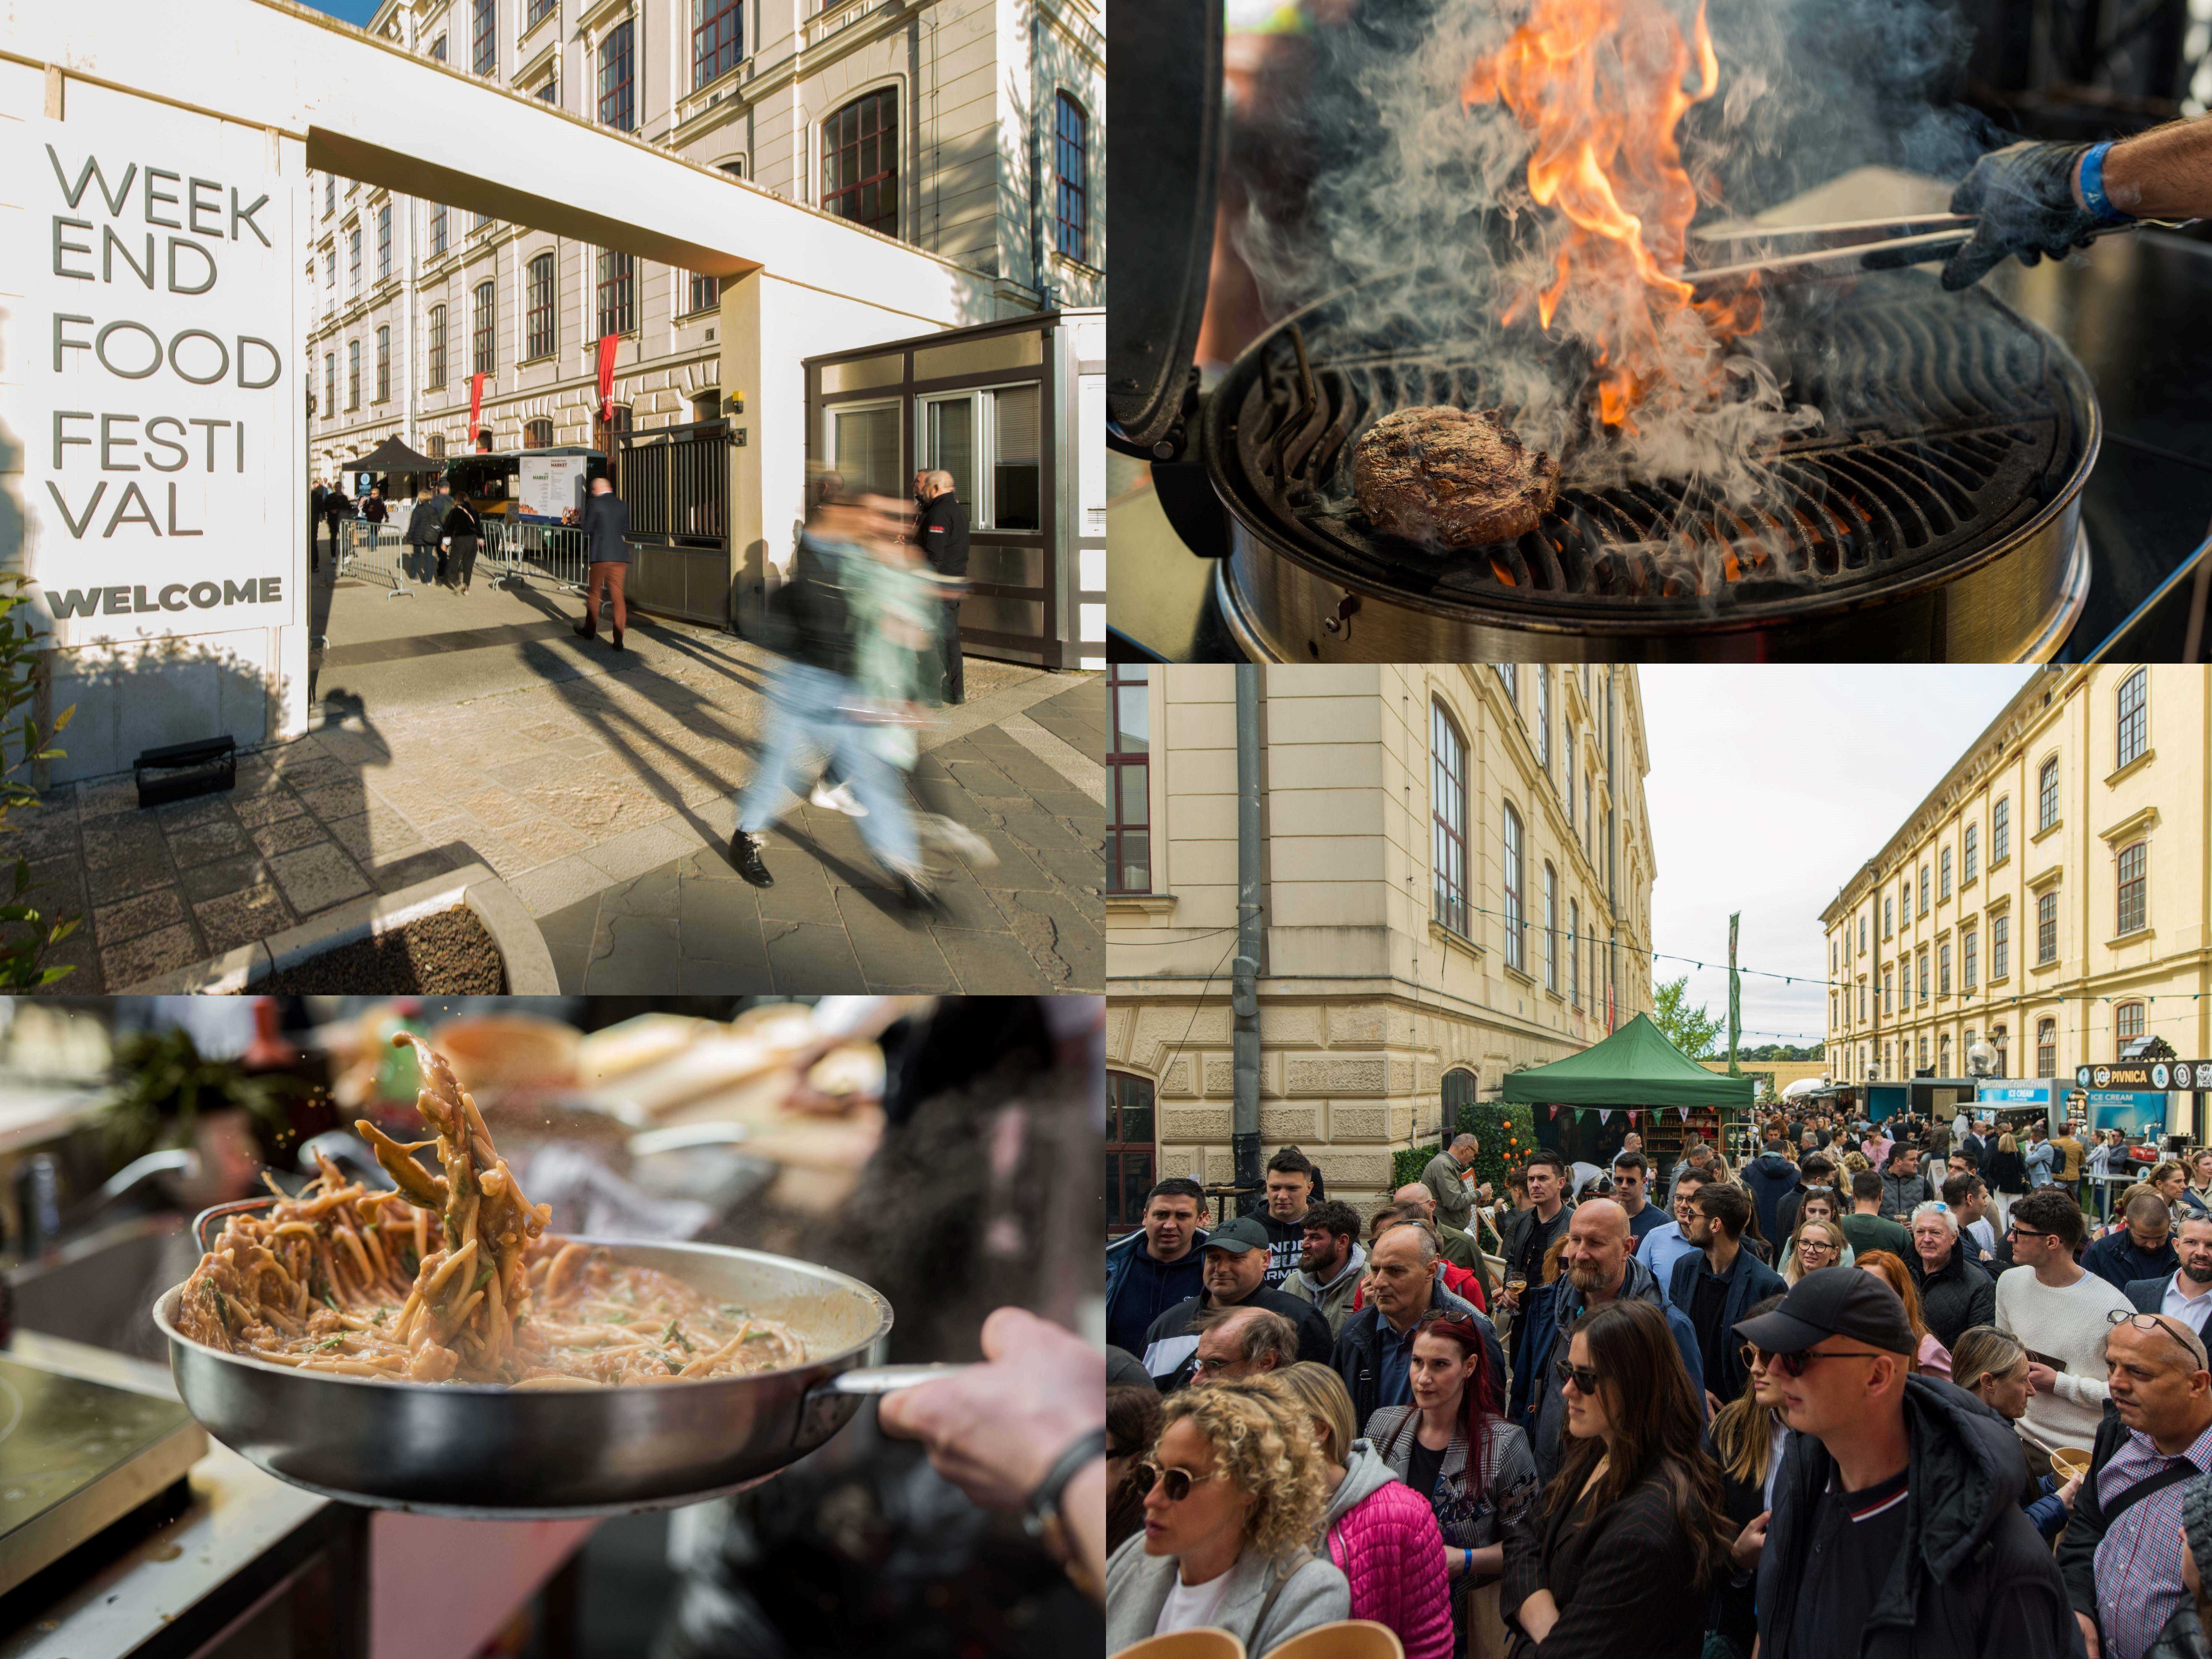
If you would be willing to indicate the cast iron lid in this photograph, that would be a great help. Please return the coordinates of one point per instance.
(1163, 146)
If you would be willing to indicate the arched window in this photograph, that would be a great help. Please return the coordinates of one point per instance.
(1943, 1055)
(1130, 1151)
(1516, 915)
(1448, 819)
(1551, 928)
(384, 363)
(2134, 716)
(543, 334)
(1071, 167)
(617, 85)
(2046, 795)
(437, 347)
(2133, 911)
(2128, 1022)
(435, 449)
(1999, 1040)
(859, 161)
(537, 433)
(1458, 1094)
(486, 341)
(2047, 1048)
(617, 292)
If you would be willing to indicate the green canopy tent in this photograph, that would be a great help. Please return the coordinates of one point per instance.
(1636, 1066)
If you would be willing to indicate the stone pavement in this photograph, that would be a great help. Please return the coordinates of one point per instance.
(453, 730)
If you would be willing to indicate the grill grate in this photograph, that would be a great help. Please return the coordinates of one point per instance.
(1947, 424)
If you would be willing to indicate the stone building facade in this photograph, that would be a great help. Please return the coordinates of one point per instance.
(972, 128)
(1456, 880)
(2052, 895)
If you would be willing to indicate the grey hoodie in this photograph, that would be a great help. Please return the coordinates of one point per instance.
(1366, 1474)
(1334, 1299)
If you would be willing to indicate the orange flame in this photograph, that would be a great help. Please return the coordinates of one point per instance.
(1600, 85)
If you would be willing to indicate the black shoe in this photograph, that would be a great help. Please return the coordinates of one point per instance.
(583, 632)
(618, 644)
(745, 859)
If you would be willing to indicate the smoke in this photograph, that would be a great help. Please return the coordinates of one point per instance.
(1425, 205)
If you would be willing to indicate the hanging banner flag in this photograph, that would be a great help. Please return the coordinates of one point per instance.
(1735, 998)
(607, 344)
(475, 410)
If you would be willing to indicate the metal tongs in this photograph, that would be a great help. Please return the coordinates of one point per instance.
(1846, 249)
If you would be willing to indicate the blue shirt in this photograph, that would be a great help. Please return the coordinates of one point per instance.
(1662, 1248)
(1396, 1353)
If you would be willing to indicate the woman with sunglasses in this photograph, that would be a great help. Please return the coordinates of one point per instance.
(1453, 1449)
(1380, 1535)
(1932, 1358)
(1233, 1501)
(1745, 1439)
(1993, 1368)
(1619, 1560)
(1819, 1242)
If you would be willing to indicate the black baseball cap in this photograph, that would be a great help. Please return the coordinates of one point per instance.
(1834, 1302)
(1237, 1237)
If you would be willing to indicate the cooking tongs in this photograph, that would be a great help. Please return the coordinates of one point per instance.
(1846, 249)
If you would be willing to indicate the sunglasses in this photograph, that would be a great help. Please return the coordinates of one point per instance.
(1794, 1365)
(1174, 1484)
(1584, 1378)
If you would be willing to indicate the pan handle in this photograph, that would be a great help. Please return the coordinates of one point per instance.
(886, 1379)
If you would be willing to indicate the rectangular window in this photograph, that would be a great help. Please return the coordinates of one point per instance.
(2134, 716)
(1923, 889)
(437, 347)
(438, 229)
(1970, 944)
(1551, 929)
(541, 325)
(2133, 911)
(1509, 677)
(1923, 975)
(2046, 928)
(384, 241)
(1129, 1150)
(617, 292)
(2046, 795)
(353, 375)
(1923, 1048)
(2000, 946)
(486, 344)
(484, 36)
(353, 259)
(1889, 915)
(717, 38)
(330, 272)
(1128, 778)
(1943, 968)
(2001, 831)
(1972, 852)
(618, 86)
(991, 442)
(859, 162)
(1574, 951)
(2127, 1021)
(1943, 874)
(1071, 164)
(537, 433)
(1447, 820)
(438, 49)
(1862, 935)
(330, 194)
(1544, 720)
(329, 384)
(706, 293)
(537, 12)
(1888, 991)
(1862, 1001)
(2047, 1048)
(384, 364)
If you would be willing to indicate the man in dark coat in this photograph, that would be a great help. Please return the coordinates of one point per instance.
(2141, 1248)
(1718, 1283)
(456, 544)
(1235, 1256)
(942, 532)
(606, 546)
(336, 510)
(423, 532)
(1955, 1295)
(1374, 1348)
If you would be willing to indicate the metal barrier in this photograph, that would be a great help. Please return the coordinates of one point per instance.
(374, 552)
(549, 553)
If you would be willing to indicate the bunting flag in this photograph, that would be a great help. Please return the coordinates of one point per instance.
(1682, 1112)
(1603, 1113)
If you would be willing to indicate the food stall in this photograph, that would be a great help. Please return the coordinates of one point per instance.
(1635, 1079)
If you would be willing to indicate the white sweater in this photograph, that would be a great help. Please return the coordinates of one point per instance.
(2068, 1325)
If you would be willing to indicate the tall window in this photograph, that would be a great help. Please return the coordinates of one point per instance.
(1862, 999)
(1923, 1050)
(1970, 945)
(353, 375)
(2046, 795)
(1447, 818)
(1574, 952)
(1923, 975)
(1972, 852)
(330, 272)
(384, 364)
(1551, 928)
(1943, 968)
(859, 161)
(484, 352)
(1544, 720)
(618, 85)
(2046, 928)
(1923, 889)
(1943, 874)
(2135, 715)
(717, 38)
(329, 384)
(2047, 1048)
(438, 229)
(1589, 812)
(1862, 933)
(484, 36)
(2000, 1040)
(1071, 153)
(1128, 777)
(1888, 991)
(2001, 831)
(353, 259)
(437, 347)
(1943, 1055)
(1459, 1084)
(1129, 1149)
(537, 433)
(2000, 946)
(541, 328)
(384, 241)
(706, 293)
(1889, 915)
(1570, 790)
(1516, 915)
(2131, 906)
(537, 12)
(1508, 676)
(330, 194)
(2127, 1021)
(618, 292)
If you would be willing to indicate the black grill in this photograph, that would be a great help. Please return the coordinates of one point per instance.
(1950, 423)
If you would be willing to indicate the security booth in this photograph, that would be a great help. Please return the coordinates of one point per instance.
(1015, 411)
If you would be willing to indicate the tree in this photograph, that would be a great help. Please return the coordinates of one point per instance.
(1690, 1029)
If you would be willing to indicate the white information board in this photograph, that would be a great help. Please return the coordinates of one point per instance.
(150, 383)
(551, 485)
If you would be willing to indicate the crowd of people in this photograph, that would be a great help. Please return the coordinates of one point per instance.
(1912, 1388)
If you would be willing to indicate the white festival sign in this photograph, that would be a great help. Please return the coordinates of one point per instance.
(151, 385)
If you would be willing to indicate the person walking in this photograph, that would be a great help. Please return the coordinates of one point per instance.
(373, 511)
(457, 545)
(1381, 1534)
(942, 533)
(2058, 1313)
(607, 549)
(1374, 1350)
(1954, 1293)
(337, 509)
(1618, 1558)
(1896, 1530)
(1445, 1176)
(1717, 1284)
(424, 522)
(1448, 1443)
(1160, 1264)
(1234, 1497)
(2121, 1551)
(2186, 1292)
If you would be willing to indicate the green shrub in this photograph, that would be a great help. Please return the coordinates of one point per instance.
(27, 932)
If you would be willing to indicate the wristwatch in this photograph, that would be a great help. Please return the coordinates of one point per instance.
(1043, 1520)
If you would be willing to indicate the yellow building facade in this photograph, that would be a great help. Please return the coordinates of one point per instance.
(2052, 895)
(1456, 882)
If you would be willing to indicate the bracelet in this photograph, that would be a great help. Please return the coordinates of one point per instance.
(1467, 1566)
(1043, 1520)
(2093, 186)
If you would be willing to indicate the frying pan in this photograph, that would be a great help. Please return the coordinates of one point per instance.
(480, 1451)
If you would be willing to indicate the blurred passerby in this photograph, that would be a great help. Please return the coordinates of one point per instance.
(942, 535)
(372, 509)
(457, 545)
(424, 526)
(337, 509)
(607, 549)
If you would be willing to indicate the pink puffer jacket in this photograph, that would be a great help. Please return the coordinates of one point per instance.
(1387, 1547)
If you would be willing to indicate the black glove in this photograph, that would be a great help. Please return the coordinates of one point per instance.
(2025, 196)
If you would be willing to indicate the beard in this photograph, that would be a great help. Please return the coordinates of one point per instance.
(1319, 1267)
(1587, 1279)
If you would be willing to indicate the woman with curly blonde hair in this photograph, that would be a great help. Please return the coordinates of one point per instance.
(1235, 1491)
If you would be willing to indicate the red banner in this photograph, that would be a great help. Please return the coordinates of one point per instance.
(607, 344)
(476, 408)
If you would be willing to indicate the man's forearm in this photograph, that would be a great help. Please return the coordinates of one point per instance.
(2164, 173)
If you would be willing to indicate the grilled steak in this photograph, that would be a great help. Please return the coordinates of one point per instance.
(1450, 477)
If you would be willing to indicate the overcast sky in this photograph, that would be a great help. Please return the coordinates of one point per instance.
(1769, 787)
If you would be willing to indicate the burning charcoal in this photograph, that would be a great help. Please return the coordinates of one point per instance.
(1451, 478)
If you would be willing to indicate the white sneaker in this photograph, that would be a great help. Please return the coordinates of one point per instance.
(957, 839)
(840, 799)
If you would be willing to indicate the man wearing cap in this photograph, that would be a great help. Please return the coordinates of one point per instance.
(1896, 1527)
(2121, 1551)
(1235, 1258)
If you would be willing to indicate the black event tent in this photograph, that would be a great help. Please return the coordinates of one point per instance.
(393, 456)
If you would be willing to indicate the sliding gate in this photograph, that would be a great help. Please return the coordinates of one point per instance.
(677, 482)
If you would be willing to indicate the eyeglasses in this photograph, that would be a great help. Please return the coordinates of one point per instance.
(1584, 1378)
(1174, 1484)
(1794, 1365)
(2144, 1321)
(2013, 1230)
(1807, 1245)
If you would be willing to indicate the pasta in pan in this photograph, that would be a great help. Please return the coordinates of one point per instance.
(454, 1277)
